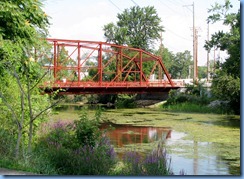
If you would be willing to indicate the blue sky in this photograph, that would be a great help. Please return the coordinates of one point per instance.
(84, 19)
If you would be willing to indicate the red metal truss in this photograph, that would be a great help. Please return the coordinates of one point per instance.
(79, 67)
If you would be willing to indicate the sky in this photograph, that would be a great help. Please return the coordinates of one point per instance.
(84, 20)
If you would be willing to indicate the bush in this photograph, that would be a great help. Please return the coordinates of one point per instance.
(193, 99)
(7, 140)
(87, 131)
(125, 101)
(76, 148)
(89, 160)
(227, 88)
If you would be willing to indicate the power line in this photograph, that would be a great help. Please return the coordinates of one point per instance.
(173, 2)
(134, 2)
(114, 5)
(177, 34)
(168, 7)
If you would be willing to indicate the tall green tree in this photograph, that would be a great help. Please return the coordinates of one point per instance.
(226, 82)
(22, 24)
(136, 27)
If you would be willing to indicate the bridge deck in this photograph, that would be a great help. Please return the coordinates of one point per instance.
(70, 87)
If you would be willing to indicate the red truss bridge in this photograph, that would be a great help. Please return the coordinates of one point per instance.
(86, 67)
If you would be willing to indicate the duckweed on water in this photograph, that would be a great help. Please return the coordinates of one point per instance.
(220, 134)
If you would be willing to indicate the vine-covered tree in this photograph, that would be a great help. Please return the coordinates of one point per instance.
(226, 82)
(136, 27)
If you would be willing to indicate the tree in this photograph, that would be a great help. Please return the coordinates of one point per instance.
(166, 56)
(22, 24)
(202, 72)
(65, 61)
(180, 65)
(136, 27)
(226, 82)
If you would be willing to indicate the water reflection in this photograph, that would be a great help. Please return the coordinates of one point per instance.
(189, 155)
(196, 158)
(127, 134)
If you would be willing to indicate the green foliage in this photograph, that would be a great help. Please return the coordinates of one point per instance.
(177, 64)
(195, 94)
(63, 61)
(193, 99)
(227, 87)
(194, 108)
(107, 98)
(180, 66)
(75, 148)
(7, 140)
(226, 83)
(137, 27)
(22, 24)
(87, 130)
(166, 55)
(202, 72)
(125, 101)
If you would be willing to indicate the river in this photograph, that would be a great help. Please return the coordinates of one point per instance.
(199, 144)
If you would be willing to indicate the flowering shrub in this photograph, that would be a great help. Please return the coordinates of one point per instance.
(94, 160)
(70, 149)
(133, 165)
(156, 163)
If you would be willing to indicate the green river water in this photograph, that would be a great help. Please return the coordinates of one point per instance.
(200, 144)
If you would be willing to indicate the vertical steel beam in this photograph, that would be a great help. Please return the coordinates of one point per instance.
(119, 65)
(78, 67)
(141, 72)
(55, 59)
(100, 69)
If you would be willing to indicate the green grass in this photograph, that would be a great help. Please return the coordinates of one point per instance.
(192, 108)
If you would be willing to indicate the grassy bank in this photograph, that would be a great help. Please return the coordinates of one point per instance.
(192, 108)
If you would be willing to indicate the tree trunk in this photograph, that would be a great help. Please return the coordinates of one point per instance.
(31, 115)
(17, 149)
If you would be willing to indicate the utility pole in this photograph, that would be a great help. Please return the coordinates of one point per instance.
(196, 54)
(195, 41)
(194, 44)
(208, 62)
